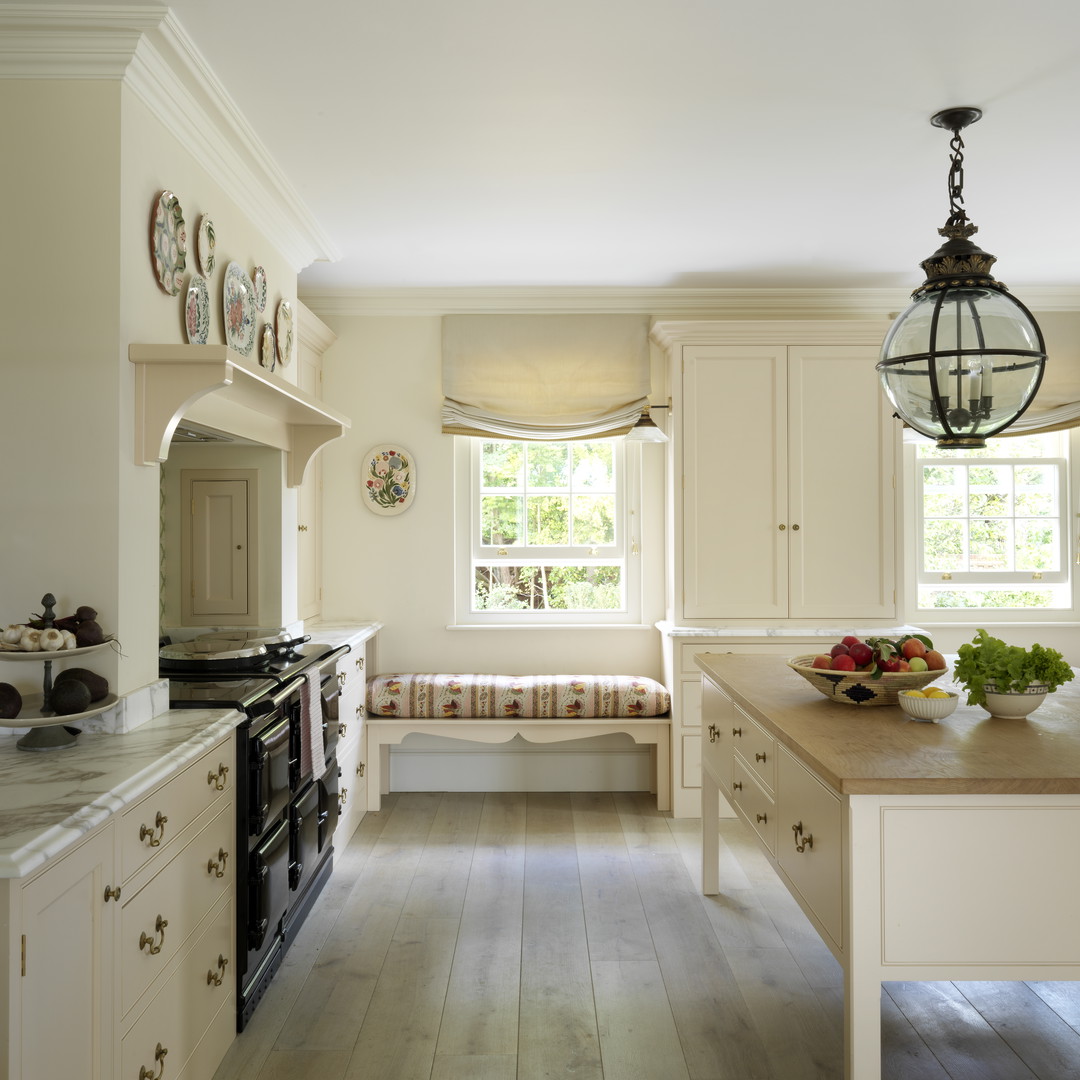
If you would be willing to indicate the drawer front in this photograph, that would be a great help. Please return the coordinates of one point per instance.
(151, 825)
(756, 804)
(352, 797)
(810, 816)
(187, 1007)
(717, 742)
(756, 747)
(163, 915)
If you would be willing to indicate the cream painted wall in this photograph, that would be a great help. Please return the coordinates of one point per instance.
(385, 374)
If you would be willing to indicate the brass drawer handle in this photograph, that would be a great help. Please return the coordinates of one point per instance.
(763, 819)
(146, 939)
(341, 730)
(112, 893)
(359, 663)
(343, 798)
(736, 785)
(360, 769)
(359, 710)
(807, 839)
(217, 780)
(341, 677)
(217, 866)
(146, 832)
(159, 1060)
(215, 978)
(759, 757)
(714, 734)
(737, 731)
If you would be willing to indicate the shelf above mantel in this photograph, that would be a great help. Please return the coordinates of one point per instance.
(216, 387)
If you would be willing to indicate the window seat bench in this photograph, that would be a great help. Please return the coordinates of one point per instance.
(495, 708)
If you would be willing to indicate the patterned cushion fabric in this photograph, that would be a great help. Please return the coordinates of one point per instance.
(527, 696)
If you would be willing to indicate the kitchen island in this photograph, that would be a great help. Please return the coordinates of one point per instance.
(919, 851)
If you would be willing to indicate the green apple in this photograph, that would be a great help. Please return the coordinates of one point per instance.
(918, 664)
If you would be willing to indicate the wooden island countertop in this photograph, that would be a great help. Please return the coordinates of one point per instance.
(867, 750)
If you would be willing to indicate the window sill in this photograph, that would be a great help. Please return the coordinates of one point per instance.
(550, 626)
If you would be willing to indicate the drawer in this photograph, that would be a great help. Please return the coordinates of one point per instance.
(755, 746)
(188, 1008)
(352, 796)
(150, 826)
(717, 742)
(167, 910)
(691, 761)
(810, 816)
(755, 803)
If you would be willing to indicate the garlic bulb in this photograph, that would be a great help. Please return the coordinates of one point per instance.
(30, 641)
(51, 639)
(13, 633)
(69, 640)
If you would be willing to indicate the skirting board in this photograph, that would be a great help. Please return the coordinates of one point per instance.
(434, 763)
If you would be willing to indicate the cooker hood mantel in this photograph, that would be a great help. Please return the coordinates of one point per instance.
(214, 386)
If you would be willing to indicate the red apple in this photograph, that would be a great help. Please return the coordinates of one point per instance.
(838, 650)
(850, 640)
(861, 653)
(843, 662)
(891, 663)
(934, 660)
(912, 646)
(822, 662)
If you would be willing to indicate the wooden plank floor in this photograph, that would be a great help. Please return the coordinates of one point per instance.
(523, 937)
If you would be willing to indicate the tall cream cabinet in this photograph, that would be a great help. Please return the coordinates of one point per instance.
(783, 494)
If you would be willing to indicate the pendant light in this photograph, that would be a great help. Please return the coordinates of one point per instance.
(646, 430)
(966, 357)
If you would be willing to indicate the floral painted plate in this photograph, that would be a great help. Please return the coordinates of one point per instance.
(197, 311)
(168, 242)
(268, 352)
(239, 305)
(389, 479)
(258, 279)
(205, 244)
(284, 333)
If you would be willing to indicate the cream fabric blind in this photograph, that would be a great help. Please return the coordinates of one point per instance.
(544, 377)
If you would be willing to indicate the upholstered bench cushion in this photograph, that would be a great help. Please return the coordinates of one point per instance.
(526, 696)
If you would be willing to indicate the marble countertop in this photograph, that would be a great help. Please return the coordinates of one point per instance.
(785, 631)
(338, 632)
(50, 799)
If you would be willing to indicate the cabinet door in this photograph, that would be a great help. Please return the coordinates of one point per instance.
(734, 489)
(309, 502)
(841, 465)
(66, 997)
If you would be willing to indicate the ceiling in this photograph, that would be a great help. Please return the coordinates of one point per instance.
(658, 143)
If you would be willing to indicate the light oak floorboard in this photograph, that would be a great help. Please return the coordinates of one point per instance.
(533, 937)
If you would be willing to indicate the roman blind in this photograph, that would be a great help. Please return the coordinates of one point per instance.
(544, 377)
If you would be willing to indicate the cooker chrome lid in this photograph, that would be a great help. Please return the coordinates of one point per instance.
(212, 651)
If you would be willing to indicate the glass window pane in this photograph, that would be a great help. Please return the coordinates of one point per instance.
(594, 519)
(500, 520)
(502, 464)
(548, 588)
(940, 476)
(1037, 545)
(942, 505)
(549, 519)
(548, 465)
(990, 547)
(943, 546)
(594, 465)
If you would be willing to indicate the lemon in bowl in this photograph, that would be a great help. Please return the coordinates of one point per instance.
(929, 705)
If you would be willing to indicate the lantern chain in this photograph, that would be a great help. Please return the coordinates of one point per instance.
(957, 214)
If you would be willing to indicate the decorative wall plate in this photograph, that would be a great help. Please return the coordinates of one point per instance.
(197, 311)
(238, 296)
(168, 242)
(205, 244)
(268, 352)
(284, 327)
(258, 279)
(389, 478)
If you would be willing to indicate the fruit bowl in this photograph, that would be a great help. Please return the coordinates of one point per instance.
(860, 687)
(932, 709)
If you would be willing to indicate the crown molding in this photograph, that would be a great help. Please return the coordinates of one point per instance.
(149, 51)
(661, 303)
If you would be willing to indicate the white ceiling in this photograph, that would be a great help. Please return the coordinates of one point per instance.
(658, 143)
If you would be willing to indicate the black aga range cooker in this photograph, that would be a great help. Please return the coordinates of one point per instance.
(285, 813)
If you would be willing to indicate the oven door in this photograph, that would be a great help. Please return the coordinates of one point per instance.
(268, 891)
(329, 804)
(269, 770)
(303, 837)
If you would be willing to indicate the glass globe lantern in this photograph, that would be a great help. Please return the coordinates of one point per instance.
(966, 358)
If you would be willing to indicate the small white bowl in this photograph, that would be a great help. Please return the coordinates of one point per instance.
(930, 710)
(1016, 705)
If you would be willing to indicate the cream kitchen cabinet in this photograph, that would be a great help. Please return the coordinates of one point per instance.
(138, 914)
(352, 677)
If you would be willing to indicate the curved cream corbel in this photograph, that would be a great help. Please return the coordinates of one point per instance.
(214, 384)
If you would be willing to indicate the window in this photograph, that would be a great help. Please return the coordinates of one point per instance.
(992, 526)
(548, 532)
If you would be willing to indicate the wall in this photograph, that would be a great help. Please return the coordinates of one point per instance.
(385, 374)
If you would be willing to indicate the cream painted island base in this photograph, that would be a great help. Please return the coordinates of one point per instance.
(919, 851)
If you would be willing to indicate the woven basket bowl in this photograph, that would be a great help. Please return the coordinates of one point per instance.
(859, 687)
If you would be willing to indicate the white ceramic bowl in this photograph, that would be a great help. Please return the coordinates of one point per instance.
(1017, 705)
(928, 709)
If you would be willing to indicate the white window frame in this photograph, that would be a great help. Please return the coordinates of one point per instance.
(468, 551)
(974, 617)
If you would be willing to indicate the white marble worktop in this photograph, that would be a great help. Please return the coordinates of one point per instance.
(50, 799)
(743, 633)
(341, 632)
